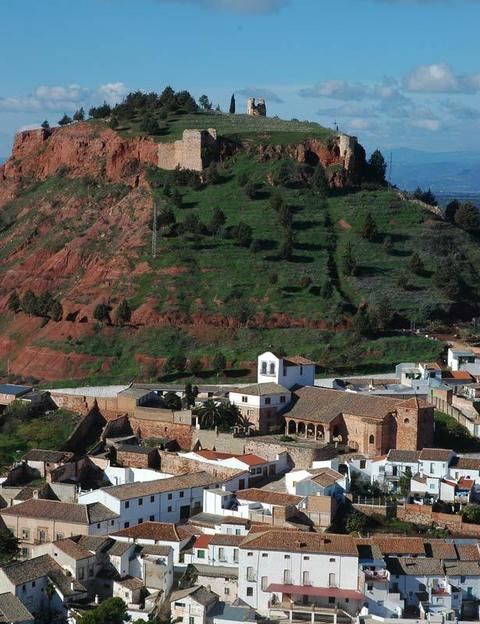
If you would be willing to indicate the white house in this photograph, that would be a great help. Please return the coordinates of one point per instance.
(285, 371)
(165, 500)
(281, 571)
(261, 403)
(433, 462)
(456, 359)
(192, 605)
(255, 465)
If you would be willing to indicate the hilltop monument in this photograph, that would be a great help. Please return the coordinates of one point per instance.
(258, 109)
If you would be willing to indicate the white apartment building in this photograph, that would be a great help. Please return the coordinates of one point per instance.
(288, 570)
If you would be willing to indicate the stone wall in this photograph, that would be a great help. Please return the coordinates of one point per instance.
(138, 460)
(160, 429)
(195, 151)
(173, 464)
(424, 516)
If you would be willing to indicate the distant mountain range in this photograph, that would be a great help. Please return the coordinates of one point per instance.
(451, 173)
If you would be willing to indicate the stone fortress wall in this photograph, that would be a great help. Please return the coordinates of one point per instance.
(195, 151)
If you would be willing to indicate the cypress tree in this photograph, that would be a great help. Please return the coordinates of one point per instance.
(232, 105)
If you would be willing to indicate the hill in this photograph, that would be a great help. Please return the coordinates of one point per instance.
(251, 253)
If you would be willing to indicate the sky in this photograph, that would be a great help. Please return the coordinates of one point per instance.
(396, 73)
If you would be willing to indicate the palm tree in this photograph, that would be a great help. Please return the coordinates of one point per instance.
(217, 414)
(243, 421)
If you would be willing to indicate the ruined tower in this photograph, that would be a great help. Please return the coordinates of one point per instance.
(258, 109)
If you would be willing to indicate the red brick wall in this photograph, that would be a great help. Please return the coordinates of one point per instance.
(157, 429)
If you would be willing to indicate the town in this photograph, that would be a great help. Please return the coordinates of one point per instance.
(287, 512)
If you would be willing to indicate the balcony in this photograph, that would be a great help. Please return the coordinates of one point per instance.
(376, 576)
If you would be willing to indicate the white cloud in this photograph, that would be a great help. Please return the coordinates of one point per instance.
(112, 92)
(440, 78)
(358, 123)
(260, 92)
(338, 90)
(72, 93)
(427, 124)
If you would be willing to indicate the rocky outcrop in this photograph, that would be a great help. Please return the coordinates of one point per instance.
(342, 156)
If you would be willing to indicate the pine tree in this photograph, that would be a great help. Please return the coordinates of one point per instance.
(14, 302)
(369, 228)
(319, 180)
(377, 167)
(416, 264)
(45, 125)
(56, 311)
(232, 105)
(124, 312)
(79, 115)
(219, 362)
(30, 303)
(65, 120)
(349, 264)
(101, 313)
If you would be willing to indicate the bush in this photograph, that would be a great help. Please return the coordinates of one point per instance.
(219, 363)
(101, 313)
(467, 217)
(243, 234)
(416, 264)
(14, 302)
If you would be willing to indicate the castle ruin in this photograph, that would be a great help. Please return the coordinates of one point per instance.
(195, 151)
(258, 109)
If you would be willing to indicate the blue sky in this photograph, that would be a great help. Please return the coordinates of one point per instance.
(394, 72)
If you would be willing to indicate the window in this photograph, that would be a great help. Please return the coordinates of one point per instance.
(432, 486)
(264, 583)
(272, 368)
(33, 583)
(221, 554)
(249, 554)
(201, 554)
(25, 552)
(238, 531)
(251, 574)
(263, 367)
(249, 591)
(244, 399)
(191, 620)
(127, 504)
(226, 591)
(332, 580)
(371, 439)
(287, 577)
(235, 555)
(406, 420)
(24, 587)
(182, 494)
(126, 525)
(283, 399)
(363, 464)
(152, 518)
(98, 525)
(306, 577)
(264, 554)
(370, 586)
(169, 509)
(81, 573)
(140, 501)
(268, 401)
(332, 560)
(90, 571)
(306, 558)
(25, 533)
(286, 556)
(432, 467)
(301, 370)
(140, 521)
(331, 600)
(152, 499)
(112, 522)
(170, 497)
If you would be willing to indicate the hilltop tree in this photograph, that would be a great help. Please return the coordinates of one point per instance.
(219, 363)
(451, 210)
(111, 611)
(79, 115)
(377, 167)
(369, 228)
(349, 263)
(319, 180)
(45, 125)
(65, 120)
(416, 264)
(14, 302)
(468, 217)
(101, 313)
(124, 313)
(150, 125)
(232, 105)
(205, 103)
(100, 112)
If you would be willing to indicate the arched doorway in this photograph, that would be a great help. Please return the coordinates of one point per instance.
(301, 428)
(310, 431)
(292, 427)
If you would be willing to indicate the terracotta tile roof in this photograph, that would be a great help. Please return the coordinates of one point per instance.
(155, 550)
(413, 403)
(93, 543)
(12, 610)
(42, 455)
(324, 405)
(466, 484)
(367, 549)
(220, 539)
(203, 541)
(233, 520)
(403, 457)
(73, 550)
(156, 531)
(268, 497)
(262, 389)
(297, 360)
(249, 458)
(458, 375)
(200, 594)
(462, 568)
(184, 481)
(325, 477)
(394, 545)
(300, 541)
(22, 572)
(434, 454)
(468, 552)
(117, 549)
(130, 582)
(440, 549)
(56, 510)
(413, 566)
(466, 463)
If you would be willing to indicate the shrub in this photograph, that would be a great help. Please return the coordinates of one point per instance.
(243, 234)
(416, 264)
(14, 302)
(219, 363)
(468, 217)
(101, 313)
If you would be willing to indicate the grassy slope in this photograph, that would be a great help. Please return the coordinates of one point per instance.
(219, 276)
